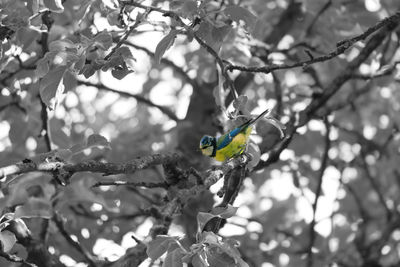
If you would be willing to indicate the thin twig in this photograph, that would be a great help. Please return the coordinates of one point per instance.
(45, 125)
(143, 195)
(139, 98)
(15, 258)
(316, 17)
(318, 191)
(342, 46)
(60, 225)
(278, 94)
(375, 185)
(139, 184)
(138, 20)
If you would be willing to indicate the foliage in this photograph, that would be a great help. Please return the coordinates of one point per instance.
(103, 103)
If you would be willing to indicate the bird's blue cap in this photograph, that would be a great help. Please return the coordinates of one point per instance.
(206, 141)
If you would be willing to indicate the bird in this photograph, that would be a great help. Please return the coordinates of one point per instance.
(231, 144)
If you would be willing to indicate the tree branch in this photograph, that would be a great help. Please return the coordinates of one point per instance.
(316, 17)
(138, 20)
(342, 46)
(318, 192)
(375, 185)
(139, 184)
(45, 125)
(387, 25)
(47, 20)
(90, 166)
(15, 258)
(60, 225)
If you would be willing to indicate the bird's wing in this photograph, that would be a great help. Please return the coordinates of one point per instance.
(225, 139)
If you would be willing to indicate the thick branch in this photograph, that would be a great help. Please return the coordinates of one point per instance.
(90, 166)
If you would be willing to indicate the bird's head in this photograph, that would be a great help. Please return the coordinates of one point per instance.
(207, 145)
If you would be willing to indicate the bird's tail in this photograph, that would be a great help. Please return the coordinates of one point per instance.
(258, 117)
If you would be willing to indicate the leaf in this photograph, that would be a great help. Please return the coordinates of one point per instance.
(216, 258)
(80, 63)
(54, 5)
(120, 72)
(94, 140)
(199, 261)
(22, 189)
(237, 14)
(7, 240)
(61, 45)
(254, 150)
(240, 103)
(18, 130)
(97, 140)
(51, 86)
(33, 6)
(34, 207)
(219, 33)
(219, 212)
(189, 8)
(202, 219)
(277, 124)
(209, 238)
(58, 133)
(42, 67)
(103, 40)
(164, 45)
(125, 52)
(174, 258)
(88, 70)
(113, 18)
(225, 212)
(69, 81)
(229, 247)
(64, 154)
(158, 246)
(26, 36)
(83, 10)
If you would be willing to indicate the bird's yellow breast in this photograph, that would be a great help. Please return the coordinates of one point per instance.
(235, 147)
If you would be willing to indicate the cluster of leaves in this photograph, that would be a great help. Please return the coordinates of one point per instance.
(209, 250)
